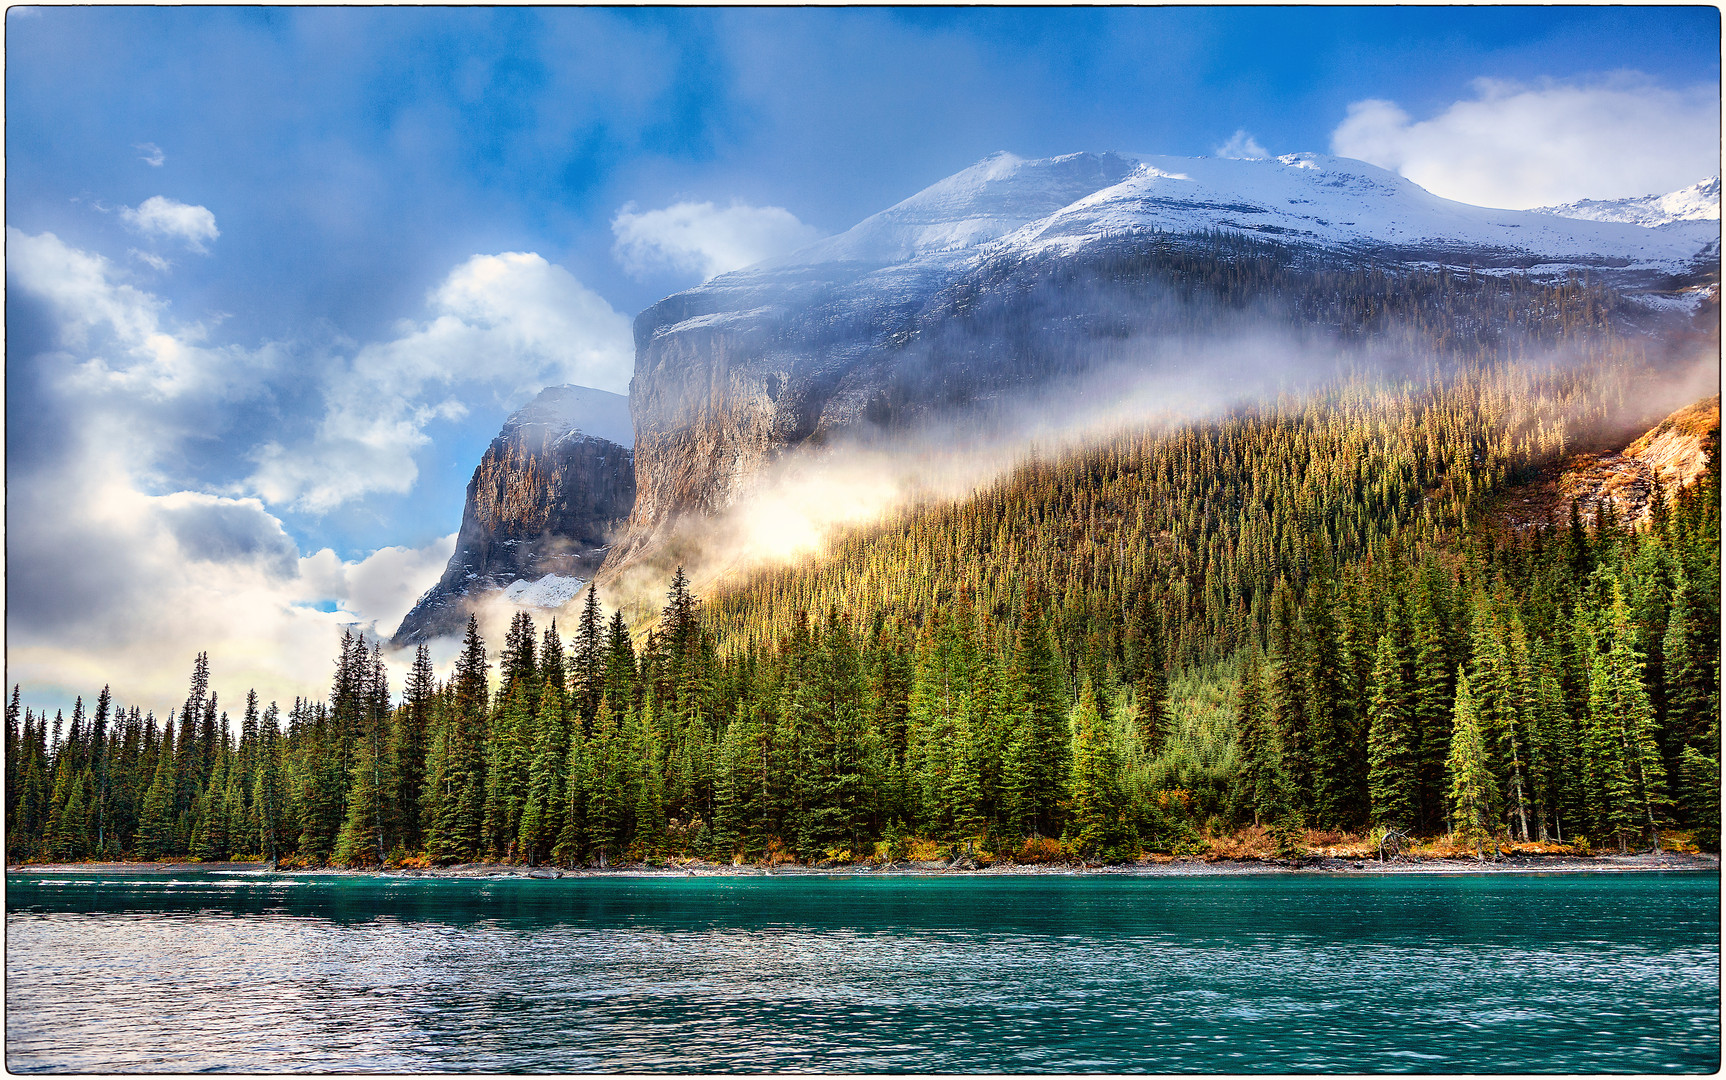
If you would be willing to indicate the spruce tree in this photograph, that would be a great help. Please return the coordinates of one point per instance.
(607, 785)
(1627, 776)
(410, 733)
(267, 791)
(542, 816)
(1256, 746)
(1151, 688)
(1393, 778)
(1473, 788)
(157, 817)
(1699, 777)
(1094, 822)
(1037, 675)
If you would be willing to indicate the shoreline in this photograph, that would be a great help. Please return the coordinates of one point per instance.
(1643, 862)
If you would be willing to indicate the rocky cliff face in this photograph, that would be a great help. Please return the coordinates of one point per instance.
(1014, 275)
(1619, 481)
(541, 509)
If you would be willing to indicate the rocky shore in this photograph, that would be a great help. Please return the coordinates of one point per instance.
(1156, 866)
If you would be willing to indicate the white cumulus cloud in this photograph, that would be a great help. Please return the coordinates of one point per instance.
(116, 574)
(161, 216)
(1241, 145)
(117, 338)
(701, 238)
(1517, 146)
(506, 325)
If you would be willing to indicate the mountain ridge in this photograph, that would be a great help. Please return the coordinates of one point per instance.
(735, 372)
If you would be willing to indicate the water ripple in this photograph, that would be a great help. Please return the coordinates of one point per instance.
(1463, 974)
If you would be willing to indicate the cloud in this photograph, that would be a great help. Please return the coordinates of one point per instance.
(1241, 145)
(700, 238)
(212, 529)
(123, 587)
(116, 337)
(152, 154)
(1518, 146)
(161, 216)
(114, 573)
(151, 259)
(508, 325)
(122, 563)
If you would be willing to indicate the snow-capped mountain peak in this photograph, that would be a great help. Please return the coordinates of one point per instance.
(1698, 202)
(973, 206)
(1009, 207)
(1340, 203)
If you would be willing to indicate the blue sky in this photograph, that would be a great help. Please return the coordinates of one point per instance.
(223, 221)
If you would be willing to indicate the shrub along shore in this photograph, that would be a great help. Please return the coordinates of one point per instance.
(1246, 854)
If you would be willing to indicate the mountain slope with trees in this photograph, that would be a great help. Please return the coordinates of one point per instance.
(1300, 614)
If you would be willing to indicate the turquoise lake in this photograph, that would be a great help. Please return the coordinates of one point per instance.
(1251, 973)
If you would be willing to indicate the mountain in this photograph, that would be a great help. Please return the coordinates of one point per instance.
(1698, 202)
(540, 510)
(1016, 274)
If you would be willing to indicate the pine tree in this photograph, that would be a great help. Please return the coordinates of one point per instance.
(1433, 691)
(645, 780)
(573, 833)
(1692, 674)
(1626, 777)
(268, 790)
(361, 840)
(453, 808)
(1552, 745)
(1473, 805)
(588, 675)
(607, 785)
(410, 734)
(1094, 821)
(1151, 689)
(156, 822)
(1699, 776)
(1288, 695)
(1037, 674)
(1255, 745)
(1337, 741)
(542, 816)
(508, 760)
(1393, 778)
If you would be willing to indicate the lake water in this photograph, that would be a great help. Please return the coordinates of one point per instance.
(1259, 973)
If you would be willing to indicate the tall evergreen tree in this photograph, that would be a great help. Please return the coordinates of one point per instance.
(1393, 776)
(1473, 788)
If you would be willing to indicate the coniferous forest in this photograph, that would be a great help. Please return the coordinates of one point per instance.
(1304, 616)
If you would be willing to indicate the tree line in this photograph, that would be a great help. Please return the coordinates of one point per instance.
(1302, 614)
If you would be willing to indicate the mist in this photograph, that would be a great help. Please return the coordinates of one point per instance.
(862, 475)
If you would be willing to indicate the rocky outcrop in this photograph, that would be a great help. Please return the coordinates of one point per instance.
(1620, 482)
(541, 510)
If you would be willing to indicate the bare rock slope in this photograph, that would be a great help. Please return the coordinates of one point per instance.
(540, 512)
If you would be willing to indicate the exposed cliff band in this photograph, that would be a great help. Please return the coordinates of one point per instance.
(541, 509)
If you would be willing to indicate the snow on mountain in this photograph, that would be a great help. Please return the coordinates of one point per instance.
(1698, 202)
(578, 410)
(549, 593)
(1340, 203)
(959, 298)
(1007, 205)
(971, 207)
